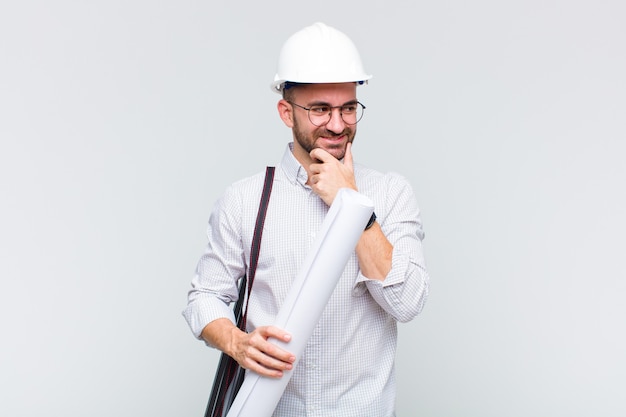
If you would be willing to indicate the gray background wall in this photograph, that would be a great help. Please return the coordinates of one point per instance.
(121, 123)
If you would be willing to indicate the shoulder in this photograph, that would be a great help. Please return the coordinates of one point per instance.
(240, 192)
(391, 192)
(248, 183)
(368, 178)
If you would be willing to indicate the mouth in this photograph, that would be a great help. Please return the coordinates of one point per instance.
(333, 139)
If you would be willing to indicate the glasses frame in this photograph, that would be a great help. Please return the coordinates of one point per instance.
(330, 113)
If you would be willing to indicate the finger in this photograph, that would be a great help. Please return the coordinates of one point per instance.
(276, 333)
(264, 357)
(270, 357)
(274, 350)
(319, 154)
(266, 366)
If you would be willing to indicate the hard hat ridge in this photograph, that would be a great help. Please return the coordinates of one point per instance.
(319, 54)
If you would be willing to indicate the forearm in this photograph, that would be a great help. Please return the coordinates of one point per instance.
(220, 333)
(374, 252)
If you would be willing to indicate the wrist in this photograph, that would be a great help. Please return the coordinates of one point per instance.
(371, 221)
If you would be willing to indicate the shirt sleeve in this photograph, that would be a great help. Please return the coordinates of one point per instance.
(214, 284)
(404, 290)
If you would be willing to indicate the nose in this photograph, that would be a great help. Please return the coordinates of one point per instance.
(336, 123)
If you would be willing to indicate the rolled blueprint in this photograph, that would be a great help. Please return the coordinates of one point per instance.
(308, 296)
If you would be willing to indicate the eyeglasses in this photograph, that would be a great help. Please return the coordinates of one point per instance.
(320, 115)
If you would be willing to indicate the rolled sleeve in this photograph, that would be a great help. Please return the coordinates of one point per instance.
(202, 310)
(404, 291)
(214, 285)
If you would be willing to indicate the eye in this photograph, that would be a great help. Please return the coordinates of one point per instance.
(320, 110)
(348, 108)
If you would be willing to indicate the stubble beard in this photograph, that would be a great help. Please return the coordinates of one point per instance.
(308, 141)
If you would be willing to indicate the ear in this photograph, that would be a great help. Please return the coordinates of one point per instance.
(285, 111)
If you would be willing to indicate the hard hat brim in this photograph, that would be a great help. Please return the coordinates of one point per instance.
(278, 85)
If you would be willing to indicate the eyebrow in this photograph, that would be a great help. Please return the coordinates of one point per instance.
(324, 103)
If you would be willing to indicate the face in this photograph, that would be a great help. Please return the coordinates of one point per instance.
(334, 136)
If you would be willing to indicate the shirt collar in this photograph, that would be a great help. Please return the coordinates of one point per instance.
(292, 168)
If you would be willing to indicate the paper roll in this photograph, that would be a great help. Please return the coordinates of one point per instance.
(308, 296)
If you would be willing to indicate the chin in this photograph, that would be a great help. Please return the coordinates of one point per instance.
(338, 153)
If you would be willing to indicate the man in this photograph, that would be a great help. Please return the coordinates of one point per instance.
(347, 368)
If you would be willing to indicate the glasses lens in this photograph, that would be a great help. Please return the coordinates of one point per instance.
(320, 115)
(350, 113)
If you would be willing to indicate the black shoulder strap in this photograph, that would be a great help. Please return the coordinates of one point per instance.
(258, 233)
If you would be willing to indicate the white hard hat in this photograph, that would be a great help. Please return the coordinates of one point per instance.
(319, 54)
